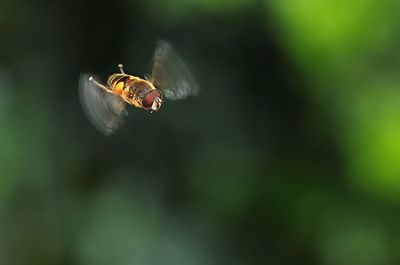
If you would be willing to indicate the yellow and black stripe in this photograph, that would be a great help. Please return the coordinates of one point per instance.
(118, 82)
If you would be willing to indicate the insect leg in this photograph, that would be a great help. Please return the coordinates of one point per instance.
(120, 66)
(100, 85)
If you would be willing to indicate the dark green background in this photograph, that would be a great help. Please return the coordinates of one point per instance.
(289, 155)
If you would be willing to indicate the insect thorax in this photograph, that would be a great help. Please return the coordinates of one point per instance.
(136, 86)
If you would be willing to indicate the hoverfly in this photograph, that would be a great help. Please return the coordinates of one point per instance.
(104, 103)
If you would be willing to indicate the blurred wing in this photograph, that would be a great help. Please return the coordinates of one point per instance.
(171, 75)
(105, 110)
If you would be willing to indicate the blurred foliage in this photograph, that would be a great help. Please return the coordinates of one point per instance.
(348, 48)
(290, 155)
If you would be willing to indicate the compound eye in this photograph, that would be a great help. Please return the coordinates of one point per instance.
(149, 98)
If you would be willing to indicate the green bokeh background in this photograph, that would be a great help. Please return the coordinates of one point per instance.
(290, 155)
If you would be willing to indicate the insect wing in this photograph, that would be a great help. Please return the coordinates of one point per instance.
(171, 75)
(105, 110)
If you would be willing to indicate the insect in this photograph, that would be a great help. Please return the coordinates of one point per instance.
(105, 103)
